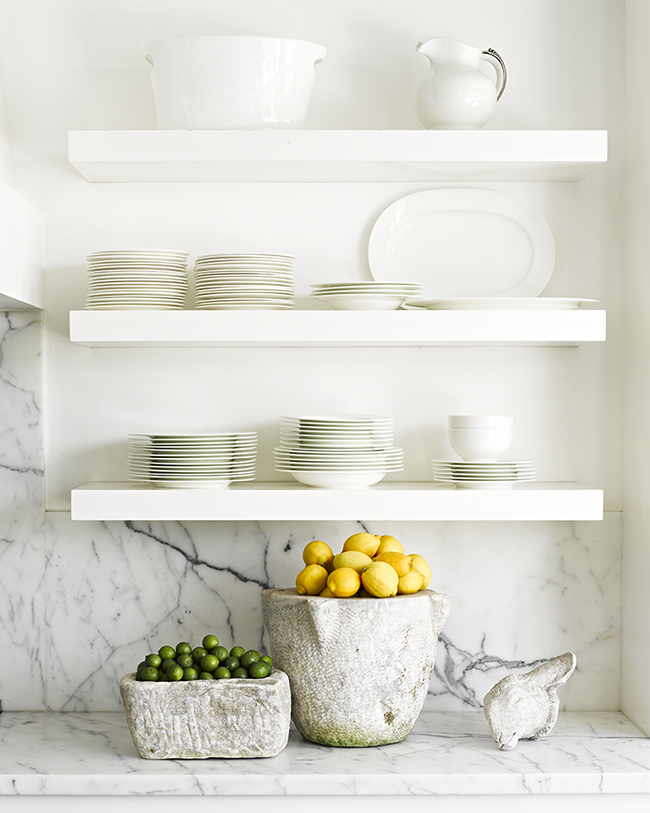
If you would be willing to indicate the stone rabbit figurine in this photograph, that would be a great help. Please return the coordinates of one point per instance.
(525, 707)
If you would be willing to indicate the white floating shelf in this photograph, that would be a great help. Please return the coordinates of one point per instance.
(290, 501)
(192, 328)
(129, 156)
(21, 241)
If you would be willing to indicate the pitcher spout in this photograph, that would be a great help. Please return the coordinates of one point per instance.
(443, 49)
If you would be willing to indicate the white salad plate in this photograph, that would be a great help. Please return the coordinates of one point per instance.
(248, 306)
(363, 302)
(339, 420)
(370, 285)
(504, 303)
(463, 243)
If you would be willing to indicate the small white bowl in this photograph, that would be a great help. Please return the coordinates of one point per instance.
(480, 444)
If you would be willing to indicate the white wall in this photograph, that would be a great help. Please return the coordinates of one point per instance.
(74, 65)
(636, 640)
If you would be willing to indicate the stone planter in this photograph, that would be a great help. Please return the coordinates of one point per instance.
(200, 719)
(359, 668)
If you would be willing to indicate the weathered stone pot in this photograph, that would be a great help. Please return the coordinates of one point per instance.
(200, 719)
(359, 668)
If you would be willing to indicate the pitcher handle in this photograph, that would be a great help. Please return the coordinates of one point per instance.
(149, 59)
(499, 66)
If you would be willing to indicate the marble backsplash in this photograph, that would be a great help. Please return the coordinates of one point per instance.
(80, 603)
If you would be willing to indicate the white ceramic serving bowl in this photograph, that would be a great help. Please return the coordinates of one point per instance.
(481, 443)
(232, 82)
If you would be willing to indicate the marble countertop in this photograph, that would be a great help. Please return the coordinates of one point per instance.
(446, 753)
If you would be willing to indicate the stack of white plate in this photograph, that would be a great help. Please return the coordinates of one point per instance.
(244, 281)
(337, 451)
(137, 280)
(205, 460)
(366, 296)
(475, 474)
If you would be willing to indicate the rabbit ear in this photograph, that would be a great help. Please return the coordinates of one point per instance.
(555, 672)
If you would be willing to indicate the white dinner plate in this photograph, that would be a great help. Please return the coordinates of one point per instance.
(504, 303)
(463, 243)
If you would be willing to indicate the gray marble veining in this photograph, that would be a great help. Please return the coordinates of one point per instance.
(446, 753)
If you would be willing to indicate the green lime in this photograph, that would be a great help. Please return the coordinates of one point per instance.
(185, 661)
(183, 648)
(138, 674)
(175, 673)
(153, 660)
(162, 676)
(190, 674)
(167, 664)
(141, 665)
(231, 663)
(237, 652)
(249, 657)
(260, 669)
(209, 663)
(209, 642)
(267, 659)
(167, 653)
(220, 652)
(221, 673)
(149, 673)
(206, 676)
(198, 652)
(240, 672)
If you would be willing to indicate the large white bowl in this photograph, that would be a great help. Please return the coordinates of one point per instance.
(232, 82)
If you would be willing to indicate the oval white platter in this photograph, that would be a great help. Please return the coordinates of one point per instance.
(463, 243)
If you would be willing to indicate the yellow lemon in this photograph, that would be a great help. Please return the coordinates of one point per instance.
(311, 580)
(327, 593)
(351, 558)
(420, 564)
(388, 543)
(380, 580)
(343, 582)
(366, 543)
(411, 582)
(318, 553)
(400, 562)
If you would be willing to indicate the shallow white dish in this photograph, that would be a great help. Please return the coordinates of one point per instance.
(343, 480)
(502, 303)
(463, 243)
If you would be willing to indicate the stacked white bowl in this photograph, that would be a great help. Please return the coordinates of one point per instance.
(481, 440)
(366, 296)
(137, 280)
(244, 281)
(192, 460)
(337, 451)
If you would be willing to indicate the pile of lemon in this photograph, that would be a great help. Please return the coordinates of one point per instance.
(369, 565)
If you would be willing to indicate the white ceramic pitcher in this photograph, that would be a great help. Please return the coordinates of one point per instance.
(455, 94)
(232, 82)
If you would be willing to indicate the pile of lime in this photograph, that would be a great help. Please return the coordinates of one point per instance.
(210, 661)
